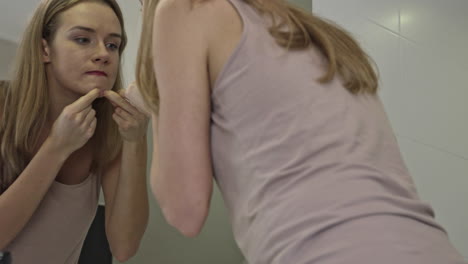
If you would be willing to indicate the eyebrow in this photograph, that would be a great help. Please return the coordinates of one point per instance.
(116, 35)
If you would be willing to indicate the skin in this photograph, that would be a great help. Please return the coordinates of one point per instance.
(86, 41)
(191, 44)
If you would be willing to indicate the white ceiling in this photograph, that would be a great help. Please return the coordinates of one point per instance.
(14, 15)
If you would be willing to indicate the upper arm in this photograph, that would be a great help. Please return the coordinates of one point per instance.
(180, 52)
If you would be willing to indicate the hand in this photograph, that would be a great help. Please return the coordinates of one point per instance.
(76, 124)
(132, 123)
(132, 93)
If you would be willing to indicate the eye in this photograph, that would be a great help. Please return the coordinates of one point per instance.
(112, 46)
(82, 40)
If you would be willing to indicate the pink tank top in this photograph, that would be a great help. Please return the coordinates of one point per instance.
(309, 172)
(56, 232)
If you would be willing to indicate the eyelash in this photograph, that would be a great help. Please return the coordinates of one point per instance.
(80, 40)
(83, 41)
(112, 46)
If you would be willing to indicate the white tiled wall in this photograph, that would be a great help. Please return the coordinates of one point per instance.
(421, 49)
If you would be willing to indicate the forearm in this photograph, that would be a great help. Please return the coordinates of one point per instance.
(183, 201)
(21, 199)
(128, 218)
(182, 207)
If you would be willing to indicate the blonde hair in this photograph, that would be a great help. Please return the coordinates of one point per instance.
(345, 57)
(145, 75)
(26, 100)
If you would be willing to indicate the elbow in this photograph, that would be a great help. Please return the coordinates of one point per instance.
(123, 248)
(188, 221)
(188, 224)
(122, 258)
(187, 211)
(124, 252)
(124, 245)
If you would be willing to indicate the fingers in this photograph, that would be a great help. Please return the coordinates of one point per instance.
(122, 93)
(133, 95)
(122, 123)
(123, 114)
(119, 101)
(125, 120)
(92, 128)
(90, 116)
(114, 98)
(84, 101)
(89, 123)
(81, 116)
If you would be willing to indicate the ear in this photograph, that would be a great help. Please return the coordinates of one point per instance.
(45, 51)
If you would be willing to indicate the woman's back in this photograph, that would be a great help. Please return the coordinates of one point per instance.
(308, 170)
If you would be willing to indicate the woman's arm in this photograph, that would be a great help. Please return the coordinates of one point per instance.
(181, 174)
(73, 128)
(124, 184)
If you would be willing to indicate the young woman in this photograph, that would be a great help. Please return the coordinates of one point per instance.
(282, 108)
(65, 133)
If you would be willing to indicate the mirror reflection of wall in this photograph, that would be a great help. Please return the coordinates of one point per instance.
(7, 54)
(306, 4)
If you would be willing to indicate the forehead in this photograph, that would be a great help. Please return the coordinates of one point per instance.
(94, 15)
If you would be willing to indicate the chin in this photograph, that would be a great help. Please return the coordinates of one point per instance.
(104, 87)
(90, 87)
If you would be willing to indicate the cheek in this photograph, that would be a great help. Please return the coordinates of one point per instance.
(69, 61)
(69, 70)
(114, 68)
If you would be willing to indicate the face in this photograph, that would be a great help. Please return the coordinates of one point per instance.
(84, 53)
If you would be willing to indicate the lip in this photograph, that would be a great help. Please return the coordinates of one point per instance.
(97, 73)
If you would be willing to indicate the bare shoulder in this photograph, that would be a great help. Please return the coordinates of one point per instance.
(209, 15)
(175, 9)
(189, 6)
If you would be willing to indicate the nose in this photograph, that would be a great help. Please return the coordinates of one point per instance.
(102, 54)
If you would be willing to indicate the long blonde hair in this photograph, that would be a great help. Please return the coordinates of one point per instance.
(345, 57)
(145, 76)
(26, 100)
